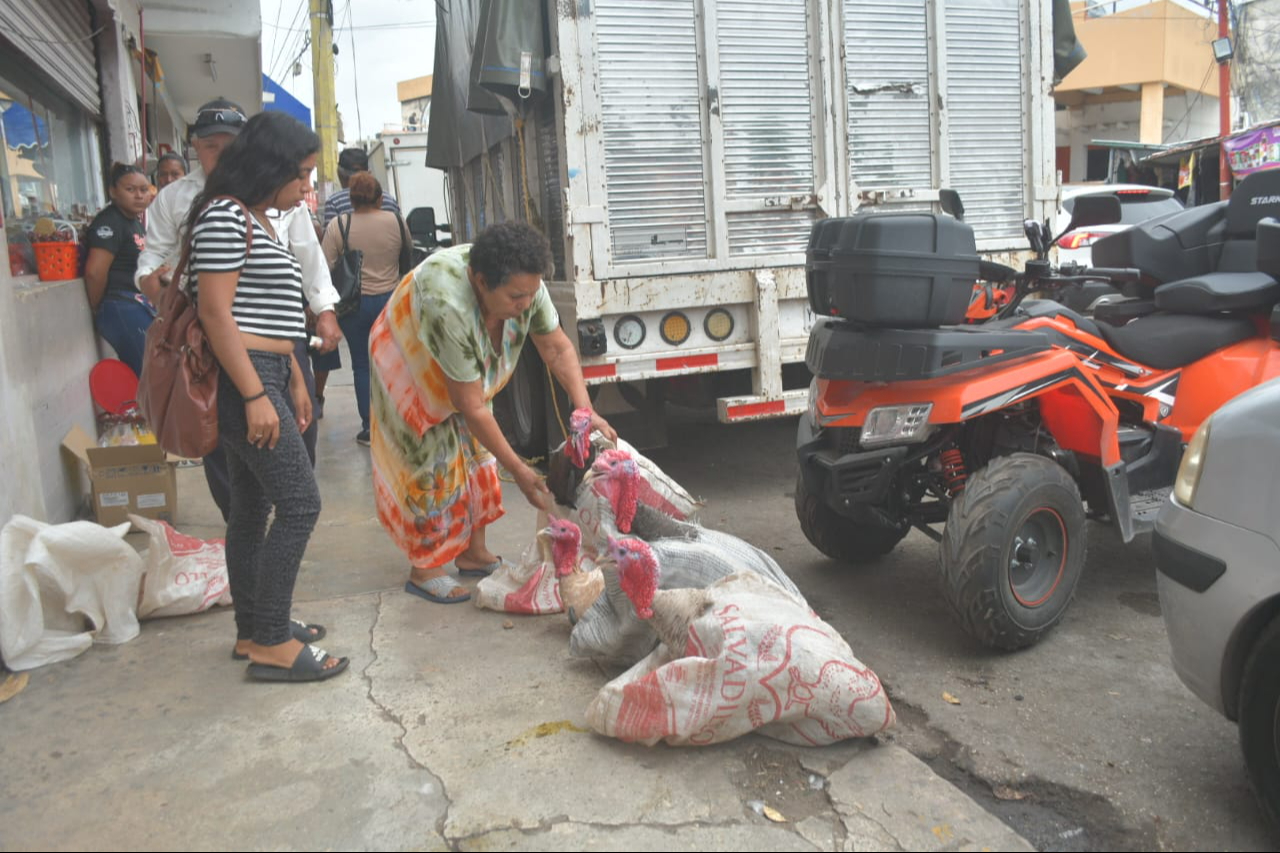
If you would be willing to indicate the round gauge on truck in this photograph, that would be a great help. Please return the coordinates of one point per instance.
(629, 331)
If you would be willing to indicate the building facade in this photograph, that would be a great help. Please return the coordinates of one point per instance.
(84, 83)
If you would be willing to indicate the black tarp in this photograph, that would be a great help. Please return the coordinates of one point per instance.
(1067, 50)
(455, 136)
(511, 50)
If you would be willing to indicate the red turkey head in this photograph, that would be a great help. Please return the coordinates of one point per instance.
(578, 448)
(566, 541)
(638, 573)
(620, 483)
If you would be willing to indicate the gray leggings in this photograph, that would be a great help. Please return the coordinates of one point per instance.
(263, 564)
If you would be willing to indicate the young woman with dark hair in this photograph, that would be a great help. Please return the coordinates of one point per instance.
(116, 237)
(248, 291)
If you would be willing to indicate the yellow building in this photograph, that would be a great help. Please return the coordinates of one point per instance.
(1150, 77)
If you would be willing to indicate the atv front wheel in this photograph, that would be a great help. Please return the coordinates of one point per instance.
(842, 538)
(1012, 550)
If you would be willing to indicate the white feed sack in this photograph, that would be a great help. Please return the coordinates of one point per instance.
(750, 657)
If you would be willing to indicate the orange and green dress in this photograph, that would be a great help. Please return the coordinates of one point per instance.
(433, 481)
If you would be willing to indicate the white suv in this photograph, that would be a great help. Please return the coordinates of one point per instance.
(1137, 204)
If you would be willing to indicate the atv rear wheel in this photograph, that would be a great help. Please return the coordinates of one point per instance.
(842, 538)
(1012, 550)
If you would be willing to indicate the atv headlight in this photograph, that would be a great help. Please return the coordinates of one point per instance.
(1184, 488)
(896, 424)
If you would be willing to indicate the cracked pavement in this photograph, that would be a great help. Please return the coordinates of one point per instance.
(448, 732)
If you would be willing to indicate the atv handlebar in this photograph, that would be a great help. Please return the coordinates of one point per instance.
(1117, 275)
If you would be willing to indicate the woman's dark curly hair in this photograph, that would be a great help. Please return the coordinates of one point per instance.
(510, 247)
(265, 156)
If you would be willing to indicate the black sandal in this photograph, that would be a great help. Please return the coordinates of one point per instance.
(309, 665)
(300, 631)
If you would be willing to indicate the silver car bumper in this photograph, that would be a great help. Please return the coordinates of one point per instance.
(1210, 575)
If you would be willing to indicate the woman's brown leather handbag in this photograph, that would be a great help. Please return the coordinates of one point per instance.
(178, 391)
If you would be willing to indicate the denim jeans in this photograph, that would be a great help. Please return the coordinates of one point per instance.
(124, 323)
(355, 328)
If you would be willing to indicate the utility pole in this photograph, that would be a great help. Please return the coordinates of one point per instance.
(1224, 106)
(326, 100)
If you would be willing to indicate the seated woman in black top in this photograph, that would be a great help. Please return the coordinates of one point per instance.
(116, 237)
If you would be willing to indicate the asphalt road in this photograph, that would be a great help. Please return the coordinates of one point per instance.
(1087, 741)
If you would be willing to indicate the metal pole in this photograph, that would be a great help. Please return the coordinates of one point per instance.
(326, 101)
(1224, 108)
(142, 86)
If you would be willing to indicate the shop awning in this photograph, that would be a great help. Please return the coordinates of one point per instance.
(276, 97)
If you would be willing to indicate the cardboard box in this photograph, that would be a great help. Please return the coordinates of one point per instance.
(138, 479)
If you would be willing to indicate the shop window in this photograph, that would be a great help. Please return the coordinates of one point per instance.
(50, 167)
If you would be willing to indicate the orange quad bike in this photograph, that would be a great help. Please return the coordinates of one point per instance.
(1013, 431)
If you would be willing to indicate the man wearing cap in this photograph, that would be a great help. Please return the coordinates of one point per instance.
(350, 161)
(217, 124)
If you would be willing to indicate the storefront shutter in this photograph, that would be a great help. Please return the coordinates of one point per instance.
(55, 35)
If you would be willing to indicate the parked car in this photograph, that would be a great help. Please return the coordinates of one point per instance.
(1217, 549)
(1137, 204)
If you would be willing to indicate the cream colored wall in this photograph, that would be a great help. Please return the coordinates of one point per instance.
(1156, 42)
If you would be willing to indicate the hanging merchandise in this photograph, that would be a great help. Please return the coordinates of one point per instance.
(1186, 171)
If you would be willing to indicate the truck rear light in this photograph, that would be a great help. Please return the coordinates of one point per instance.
(675, 328)
(718, 325)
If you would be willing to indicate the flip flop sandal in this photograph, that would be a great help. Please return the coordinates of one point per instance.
(309, 665)
(479, 571)
(437, 590)
(301, 631)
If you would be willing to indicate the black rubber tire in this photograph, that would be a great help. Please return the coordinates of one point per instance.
(521, 407)
(1259, 720)
(977, 549)
(841, 538)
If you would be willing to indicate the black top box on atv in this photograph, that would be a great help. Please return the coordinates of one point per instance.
(892, 270)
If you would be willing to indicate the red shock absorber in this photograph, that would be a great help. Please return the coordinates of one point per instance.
(953, 472)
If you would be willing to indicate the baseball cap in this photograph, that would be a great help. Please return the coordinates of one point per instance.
(218, 116)
(353, 160)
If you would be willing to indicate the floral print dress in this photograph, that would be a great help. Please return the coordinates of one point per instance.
(433, 481)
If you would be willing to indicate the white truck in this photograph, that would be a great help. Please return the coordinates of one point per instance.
(679, 151)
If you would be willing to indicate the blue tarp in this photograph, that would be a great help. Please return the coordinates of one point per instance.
(284, 102)
(21, 128)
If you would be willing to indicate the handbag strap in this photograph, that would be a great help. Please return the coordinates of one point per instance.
(186, 244)
(345, 231)
(406, 245)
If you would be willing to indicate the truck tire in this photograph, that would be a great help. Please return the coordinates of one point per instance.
(521, 407)
(1013, 550)
(842, 538)
(1259, 719)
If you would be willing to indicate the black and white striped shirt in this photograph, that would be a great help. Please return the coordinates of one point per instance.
(268, 300)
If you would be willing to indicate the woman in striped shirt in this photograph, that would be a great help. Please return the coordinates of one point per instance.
(248, 289)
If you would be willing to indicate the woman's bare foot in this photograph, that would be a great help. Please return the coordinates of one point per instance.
(421, 576)
(282, 655)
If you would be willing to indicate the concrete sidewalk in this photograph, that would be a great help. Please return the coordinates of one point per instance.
(450, 731)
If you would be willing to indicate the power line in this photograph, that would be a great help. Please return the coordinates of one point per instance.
(355, 72)
(1195, 103)
(394, 25)
(282, 45)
